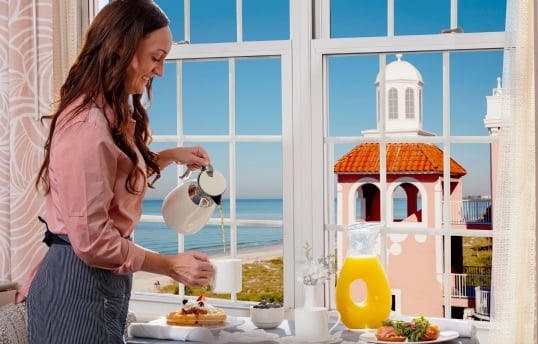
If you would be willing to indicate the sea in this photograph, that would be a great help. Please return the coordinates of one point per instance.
(158, 237)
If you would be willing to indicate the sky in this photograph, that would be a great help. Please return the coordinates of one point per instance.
(351, 83)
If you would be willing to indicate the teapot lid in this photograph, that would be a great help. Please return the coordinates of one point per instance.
(212, 182)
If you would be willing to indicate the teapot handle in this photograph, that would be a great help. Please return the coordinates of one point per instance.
(209, 170)
(186, 175)
(188, 172)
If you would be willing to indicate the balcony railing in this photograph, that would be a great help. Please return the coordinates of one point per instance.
(482, 302)
(474, 286)
(463, 285)
(470, 211)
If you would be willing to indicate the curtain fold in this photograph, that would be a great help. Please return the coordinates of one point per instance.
(514, 257)
(38, 42)
(25, 84)
(71, 19)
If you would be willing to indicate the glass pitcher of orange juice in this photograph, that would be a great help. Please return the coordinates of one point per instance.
(362, 264)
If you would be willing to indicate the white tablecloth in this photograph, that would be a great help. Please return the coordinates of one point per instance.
(247, 331)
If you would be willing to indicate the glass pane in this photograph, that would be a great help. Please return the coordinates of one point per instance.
(470, 95)
(476, 158)
(163, 108)
(430, 111)
(401, 253)
(258, 97)
(357, 177)
(259, 170)
(419, 17)
(365, 18)
(266, 20)
(205, 109)
(405, 203)
(354, 94)
(213, 21)
(174, 9)
(481, 15)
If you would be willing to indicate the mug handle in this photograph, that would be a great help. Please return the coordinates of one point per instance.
(337, 320)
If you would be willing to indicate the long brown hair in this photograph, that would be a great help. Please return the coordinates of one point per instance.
(98, 73)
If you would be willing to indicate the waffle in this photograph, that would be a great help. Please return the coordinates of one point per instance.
(196, 313)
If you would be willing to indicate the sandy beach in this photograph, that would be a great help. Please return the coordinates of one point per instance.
(146, 282)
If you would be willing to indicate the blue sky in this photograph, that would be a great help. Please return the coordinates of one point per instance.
(351, 82)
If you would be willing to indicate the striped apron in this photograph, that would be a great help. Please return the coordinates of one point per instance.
(70, 302)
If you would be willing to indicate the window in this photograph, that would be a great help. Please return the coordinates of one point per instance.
(430, 217)
(409, 103)
(230, 99)
(393, 103)
(230, 89)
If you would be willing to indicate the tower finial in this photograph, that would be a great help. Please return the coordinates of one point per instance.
(499, 89)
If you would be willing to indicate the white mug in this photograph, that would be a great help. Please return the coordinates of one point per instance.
(228, 277)
(312, 324)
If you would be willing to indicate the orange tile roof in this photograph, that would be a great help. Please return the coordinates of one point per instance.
(407, 158)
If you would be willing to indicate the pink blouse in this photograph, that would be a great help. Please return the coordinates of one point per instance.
(88, 200)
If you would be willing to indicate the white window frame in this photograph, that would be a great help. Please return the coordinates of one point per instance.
(231, 52)
(307, 161)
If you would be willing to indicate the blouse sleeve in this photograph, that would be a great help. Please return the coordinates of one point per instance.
(85, 167)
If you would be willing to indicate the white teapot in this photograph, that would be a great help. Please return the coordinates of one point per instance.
(188, 207)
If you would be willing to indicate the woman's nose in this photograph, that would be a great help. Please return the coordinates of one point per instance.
(159, 69)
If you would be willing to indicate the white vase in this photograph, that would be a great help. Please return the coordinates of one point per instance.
(312, 295)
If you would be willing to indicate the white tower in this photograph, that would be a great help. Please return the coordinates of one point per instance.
(403, 100)
(492, 121)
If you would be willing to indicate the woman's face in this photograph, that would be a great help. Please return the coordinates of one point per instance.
(148, 60)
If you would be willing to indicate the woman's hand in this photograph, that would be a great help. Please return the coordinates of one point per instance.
(192, 269)
(194, 157)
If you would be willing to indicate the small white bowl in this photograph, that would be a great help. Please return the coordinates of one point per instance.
(267, 318)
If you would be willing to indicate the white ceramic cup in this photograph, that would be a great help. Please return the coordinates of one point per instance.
(228, 277)
(312, 324)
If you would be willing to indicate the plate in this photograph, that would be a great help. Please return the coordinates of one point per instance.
(293, 340)
(230, 322)
(444, 336)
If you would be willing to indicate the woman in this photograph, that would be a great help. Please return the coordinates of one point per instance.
(96, 169)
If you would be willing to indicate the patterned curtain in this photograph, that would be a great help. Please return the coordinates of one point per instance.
(25, 85)
(514, 263)
(38, 42)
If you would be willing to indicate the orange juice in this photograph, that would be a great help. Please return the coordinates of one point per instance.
(376, 306)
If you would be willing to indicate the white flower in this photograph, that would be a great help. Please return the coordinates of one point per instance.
(317, 271)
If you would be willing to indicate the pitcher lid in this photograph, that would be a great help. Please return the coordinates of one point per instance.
(213, 183)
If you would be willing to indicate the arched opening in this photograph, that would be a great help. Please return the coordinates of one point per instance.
(368, 207)
(406, 203)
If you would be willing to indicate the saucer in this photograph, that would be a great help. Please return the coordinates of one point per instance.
(293, 340)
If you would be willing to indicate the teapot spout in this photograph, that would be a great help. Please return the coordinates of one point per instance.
(217, 199)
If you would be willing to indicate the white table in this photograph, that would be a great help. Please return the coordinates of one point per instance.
(286, 329)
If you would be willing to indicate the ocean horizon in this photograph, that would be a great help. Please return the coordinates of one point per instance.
(158, 237)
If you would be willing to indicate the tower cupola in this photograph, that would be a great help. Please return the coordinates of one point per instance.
(403, 100)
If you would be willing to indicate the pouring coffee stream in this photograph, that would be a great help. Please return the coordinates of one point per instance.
(188, 207)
